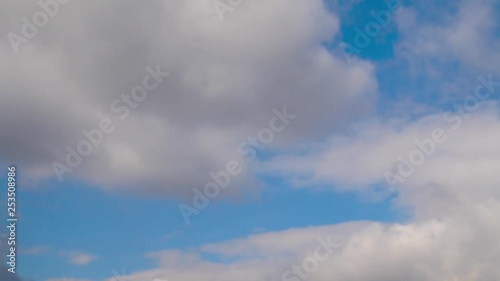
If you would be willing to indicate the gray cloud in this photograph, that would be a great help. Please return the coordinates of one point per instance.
(225, 79)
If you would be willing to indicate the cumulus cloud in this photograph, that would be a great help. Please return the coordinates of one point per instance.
(433, 250)
(452, 234)
(225, 79)
(453, 198)
(465, 158)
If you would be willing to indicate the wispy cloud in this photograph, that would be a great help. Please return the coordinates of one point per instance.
(78, 258)
(67, 279)
(37, 250)
(172, 235)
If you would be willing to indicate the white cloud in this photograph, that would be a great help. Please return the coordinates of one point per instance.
(441, 48)
(78, 258)
(428, 250)
(468, 157)
(454, 199)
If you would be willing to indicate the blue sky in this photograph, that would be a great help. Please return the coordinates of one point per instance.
(120, 230)
(230, 71)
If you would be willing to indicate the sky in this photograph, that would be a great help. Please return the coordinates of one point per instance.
(251, 140)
